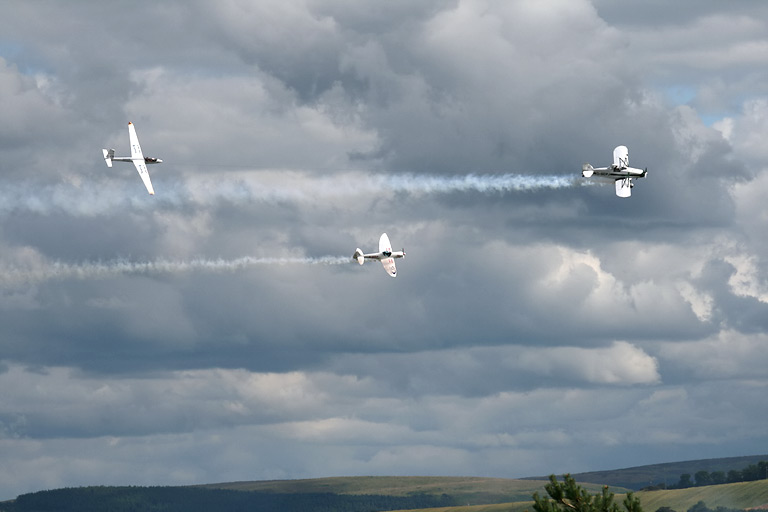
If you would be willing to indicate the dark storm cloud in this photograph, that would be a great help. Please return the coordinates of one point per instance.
(556, 325)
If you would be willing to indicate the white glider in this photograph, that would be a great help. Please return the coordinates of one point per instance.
(385, 255)
(137, 157)
(620, 172)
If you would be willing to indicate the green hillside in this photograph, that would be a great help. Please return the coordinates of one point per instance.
(739, 496)
(481, 490)
(669, 473)
(363, 494)
(521, 506)
(473, 490)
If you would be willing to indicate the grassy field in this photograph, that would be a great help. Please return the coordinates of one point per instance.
(499, 507)
(739, 496)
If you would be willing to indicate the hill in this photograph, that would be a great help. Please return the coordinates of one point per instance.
(191, 499)
(473, 490)
(737, 496)
(740, 495)
(637, 477)
(362, 494)
(350, 494)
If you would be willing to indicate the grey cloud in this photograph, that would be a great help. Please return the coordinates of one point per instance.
(692, 40)
(521, 287)
(533, 330)
(479, 372)
(658, 13)
(728, 355)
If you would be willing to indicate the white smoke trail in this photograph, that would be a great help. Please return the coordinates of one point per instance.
(104, 196)
(484, 183)
(100, 270)
(292, 186)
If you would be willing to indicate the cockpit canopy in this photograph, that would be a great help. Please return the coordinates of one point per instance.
(386, 254)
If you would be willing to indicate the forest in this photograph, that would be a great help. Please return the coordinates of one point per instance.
(193, 499)
(751, 473)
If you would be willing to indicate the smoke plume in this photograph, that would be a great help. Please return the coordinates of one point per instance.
(106, 196)
(99, 270)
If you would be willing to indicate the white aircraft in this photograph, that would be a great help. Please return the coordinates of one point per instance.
(620, 171)
(137, 157)
(385, 255)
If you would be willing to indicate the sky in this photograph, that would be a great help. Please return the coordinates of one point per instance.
(219, 330)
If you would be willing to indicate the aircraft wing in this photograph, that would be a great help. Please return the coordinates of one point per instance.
(389, 266)
(624, 187)
(138, 158)
(620, 157)
(142, 168)
(134, 140)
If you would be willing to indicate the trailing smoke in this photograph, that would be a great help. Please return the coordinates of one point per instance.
(484, 183)
(101, 270)
(238, 188)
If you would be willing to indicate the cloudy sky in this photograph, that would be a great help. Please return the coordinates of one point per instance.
(218, 331)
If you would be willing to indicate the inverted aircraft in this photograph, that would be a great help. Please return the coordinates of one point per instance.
(137, 157)
(620, 172)
(385, 255)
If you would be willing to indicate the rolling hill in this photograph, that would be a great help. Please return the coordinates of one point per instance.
(637, 477)
(740, 495)
(473, 490)
(743, 495)
(356, 494)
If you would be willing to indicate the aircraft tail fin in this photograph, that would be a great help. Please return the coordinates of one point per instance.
(109, 154)
(587, 170)
(359, 256)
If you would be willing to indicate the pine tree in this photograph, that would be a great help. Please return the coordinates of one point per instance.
(568, 496)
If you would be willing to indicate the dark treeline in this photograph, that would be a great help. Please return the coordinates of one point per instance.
(751, 473)
(194, 499)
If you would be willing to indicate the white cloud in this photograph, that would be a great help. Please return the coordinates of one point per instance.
(746, 280)
(621, 363)
(701, 303)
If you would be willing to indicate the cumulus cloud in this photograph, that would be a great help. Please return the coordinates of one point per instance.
(538, 323)
(622, 363)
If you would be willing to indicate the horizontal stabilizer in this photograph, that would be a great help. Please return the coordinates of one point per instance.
(359, 256)
(108, 155)
(587, 170)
